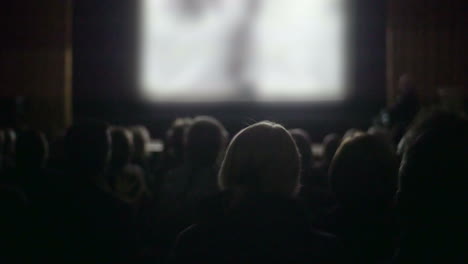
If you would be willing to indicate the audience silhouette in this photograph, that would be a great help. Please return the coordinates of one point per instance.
(432, 196)
(363, 177)
(255, 219)
(9, 142)
(2, 155)
(31, 150)
(126, 180)
(314, 192)
(302, 140)
(188, 185)
(98, 224)
(100, 196)
(330, 144)
(174, 148)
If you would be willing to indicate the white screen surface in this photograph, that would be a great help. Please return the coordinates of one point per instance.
(242, 50)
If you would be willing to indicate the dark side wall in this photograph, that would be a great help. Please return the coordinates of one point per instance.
(35, 64)
(428, 39)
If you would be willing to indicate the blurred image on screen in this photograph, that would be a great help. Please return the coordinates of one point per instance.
(243, 50)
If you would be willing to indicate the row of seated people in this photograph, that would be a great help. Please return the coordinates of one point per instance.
(259, 197)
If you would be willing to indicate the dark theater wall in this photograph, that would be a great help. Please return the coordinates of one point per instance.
(105, 35)
(35, 75)
(428, 39)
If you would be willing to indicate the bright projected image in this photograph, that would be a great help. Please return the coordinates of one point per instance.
(243, 50)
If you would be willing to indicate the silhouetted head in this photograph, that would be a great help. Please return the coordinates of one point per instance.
(175, 139)
(87, 147)
(129, 184)
(406, 84)
(262, 158)
(205, 141)
(141, 139)
(433, 185)
(2, 143)
(122, 147)
(9, 142)
(32, 150)
(8, 151)
(331, 142)
(302, 139)
(381, 133)
(377, 130)
(352, 132)
(2, 140)
(364, 172)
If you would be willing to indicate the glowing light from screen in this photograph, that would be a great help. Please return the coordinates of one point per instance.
(254, 50)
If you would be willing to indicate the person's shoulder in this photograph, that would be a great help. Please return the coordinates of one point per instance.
(187, 245)
(175, 180)
(133, 169)
(175, 174)
(326, 247)
(100, 198)
(323, 237)
(191, 233)
(12, 195)
(206, 231)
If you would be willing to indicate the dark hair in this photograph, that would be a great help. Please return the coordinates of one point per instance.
(301, 137)
(32, 150)
(205, 139)
(364, 170)
(9, 141)
(122, 147)
(434, 167)
(2, 142)
(141, 137)
(87, 148)
(331, 142)
(175, 139)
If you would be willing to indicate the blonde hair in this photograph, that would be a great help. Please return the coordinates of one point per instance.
(262, 158)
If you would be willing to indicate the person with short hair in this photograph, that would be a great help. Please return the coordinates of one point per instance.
(126, 180)
(2, 143)
(186, 186)
(174, 154)
(87, 150)
(331, 142)
(322, 196)
(30, 158)
(97, 225)
(302, 139)
(432, 196)
(363, 178)
(9, 144)
(314, 184)
(30, 175)
(141, 139)
(256, 218)
(204, 141)
(32, 150)
(365, 169)
(252, 164)
(406, 107)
